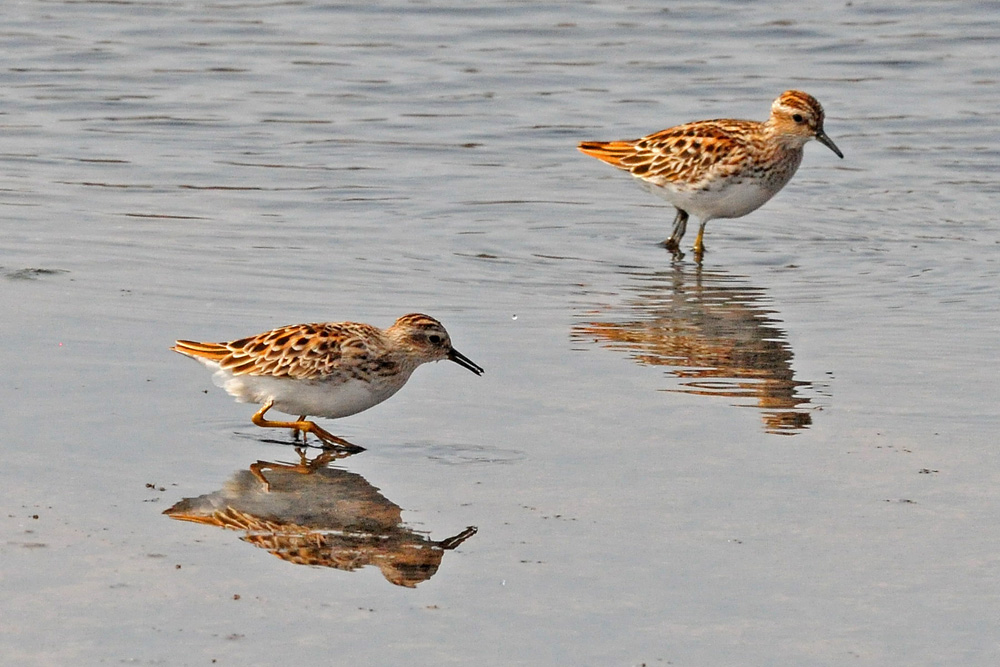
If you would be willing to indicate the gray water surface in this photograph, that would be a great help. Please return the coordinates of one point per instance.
(786, 456)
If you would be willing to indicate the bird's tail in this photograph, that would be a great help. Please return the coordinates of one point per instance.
(208, 351)
(612, 152)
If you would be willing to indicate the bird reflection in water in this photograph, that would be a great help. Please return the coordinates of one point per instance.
(311, 514)
(715, 332)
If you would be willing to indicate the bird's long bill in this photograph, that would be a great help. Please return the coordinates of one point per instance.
(464, 361)
(828, 142)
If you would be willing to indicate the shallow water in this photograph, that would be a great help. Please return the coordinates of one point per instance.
(785, 456)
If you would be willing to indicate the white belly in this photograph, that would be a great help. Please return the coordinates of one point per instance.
(729, 200)
(311, 398)
(730, 195)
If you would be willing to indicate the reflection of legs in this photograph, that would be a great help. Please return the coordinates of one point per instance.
(328, 439)
(304, 466)
(673, 244)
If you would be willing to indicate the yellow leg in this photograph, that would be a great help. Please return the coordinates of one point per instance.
(699, 242)
(328, 439)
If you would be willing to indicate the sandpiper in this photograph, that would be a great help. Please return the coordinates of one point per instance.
(329, 369)
(720, 168)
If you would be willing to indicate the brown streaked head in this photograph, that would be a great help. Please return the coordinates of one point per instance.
(798, 114)
(427, 338)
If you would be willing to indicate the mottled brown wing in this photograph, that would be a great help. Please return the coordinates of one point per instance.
(296, 351)
(685, 153)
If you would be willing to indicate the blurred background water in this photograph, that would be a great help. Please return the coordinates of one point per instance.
(785, 456)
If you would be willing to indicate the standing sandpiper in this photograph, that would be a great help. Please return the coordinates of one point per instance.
(720, 168)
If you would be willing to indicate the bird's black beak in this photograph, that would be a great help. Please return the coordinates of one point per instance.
(828, 142)
(464, 361)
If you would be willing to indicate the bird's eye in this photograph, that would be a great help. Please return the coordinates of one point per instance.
(797, 117)
(435, 339)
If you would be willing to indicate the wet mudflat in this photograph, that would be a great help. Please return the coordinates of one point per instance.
(783, 456)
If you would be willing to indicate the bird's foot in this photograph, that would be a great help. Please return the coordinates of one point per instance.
(673, 247)
(699, 252)
(329, 440)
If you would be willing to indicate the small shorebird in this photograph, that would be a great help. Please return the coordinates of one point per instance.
(330, 369)
(720, 168)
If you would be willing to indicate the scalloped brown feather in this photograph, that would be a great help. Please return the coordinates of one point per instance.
(296, 351)
(687, 154)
